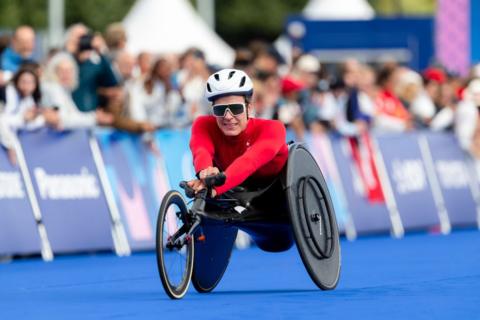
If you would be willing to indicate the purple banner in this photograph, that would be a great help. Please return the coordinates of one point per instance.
(453, 179)
(368, 216)
(174, 145)
(452, 35)
(138, 179)
(408, 178)
(18, 229)
(320, 147)
(68, 190)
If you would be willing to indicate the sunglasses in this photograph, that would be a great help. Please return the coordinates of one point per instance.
(219, 110)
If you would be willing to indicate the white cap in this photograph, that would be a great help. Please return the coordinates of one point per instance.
(308, 63)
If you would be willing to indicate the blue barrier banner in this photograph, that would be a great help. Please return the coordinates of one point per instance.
(453, 177)
(174, 146)
(407, 175)
(18, 229)
(320, 148)
(68, 189)
(138, 180)
(368, 216)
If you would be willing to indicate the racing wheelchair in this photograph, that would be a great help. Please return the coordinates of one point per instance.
(195, 244)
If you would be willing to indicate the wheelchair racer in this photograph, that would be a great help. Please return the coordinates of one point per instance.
(231, 141)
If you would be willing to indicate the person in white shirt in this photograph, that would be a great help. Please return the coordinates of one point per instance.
(60, 110)
(155, 99)
(467, 120)
(20, 108)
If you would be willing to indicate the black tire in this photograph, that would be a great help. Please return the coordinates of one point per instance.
(175, 279)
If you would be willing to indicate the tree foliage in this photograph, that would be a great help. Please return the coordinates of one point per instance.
(404, 7)
(94, 13)
(237, 21)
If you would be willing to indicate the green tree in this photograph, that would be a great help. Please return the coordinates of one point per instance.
(17, 12)
(404, 7)
(239, 21)
(94, 13)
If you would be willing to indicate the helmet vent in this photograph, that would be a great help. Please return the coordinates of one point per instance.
(242, 82)
(230, 75)
(208, 88)
(217, 77)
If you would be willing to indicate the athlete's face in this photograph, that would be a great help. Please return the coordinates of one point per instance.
(232, 125)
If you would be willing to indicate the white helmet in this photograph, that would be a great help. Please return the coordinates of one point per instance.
(228, 82)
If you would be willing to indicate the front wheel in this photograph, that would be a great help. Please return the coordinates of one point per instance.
(173, 248)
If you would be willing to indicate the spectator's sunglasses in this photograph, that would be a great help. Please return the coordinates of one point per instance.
(219, 110)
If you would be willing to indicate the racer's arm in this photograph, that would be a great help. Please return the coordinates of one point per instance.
(271, 139)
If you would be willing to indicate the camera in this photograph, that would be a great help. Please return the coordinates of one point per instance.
(85, 42)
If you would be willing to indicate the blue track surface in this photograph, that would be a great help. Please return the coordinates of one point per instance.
(419, 277)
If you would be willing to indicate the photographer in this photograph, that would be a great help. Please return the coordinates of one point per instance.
(97, 84)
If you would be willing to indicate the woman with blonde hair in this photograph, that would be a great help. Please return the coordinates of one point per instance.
(61, 112)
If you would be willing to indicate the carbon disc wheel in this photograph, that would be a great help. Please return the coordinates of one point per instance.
(174, 259)
(313, 219)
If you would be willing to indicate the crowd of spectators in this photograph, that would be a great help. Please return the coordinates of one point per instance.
(94, 81)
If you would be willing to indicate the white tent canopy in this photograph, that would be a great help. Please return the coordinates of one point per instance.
(338, 10)
(172, 26)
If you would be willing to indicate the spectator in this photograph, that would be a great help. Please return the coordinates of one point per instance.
(123, 66)
(445, 113)
(424, 106)
(97, 83)
(115, 38)
(243, 60)
(368, 91)
(143, 65)
(61, 112)
(352, 118)
(306, 70)
(467, 124)
(20, 51)
(119, 106)
(288, 109)
(20, 99)
(390, 113)
(267, 96)
(155, 99)
(320, 108)
(191, 82)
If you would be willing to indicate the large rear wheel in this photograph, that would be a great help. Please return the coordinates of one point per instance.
(174, 248)
(313, 218)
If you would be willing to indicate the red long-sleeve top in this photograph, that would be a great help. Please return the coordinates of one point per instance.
(259, 151)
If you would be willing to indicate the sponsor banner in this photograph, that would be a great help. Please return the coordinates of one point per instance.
(18, 229)
(68, 190)
(408, 179)
(320, 148)
(368, 216)
(138, 180)
(453, 178)
(174, 146)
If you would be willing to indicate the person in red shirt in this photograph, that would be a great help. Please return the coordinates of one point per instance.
(233, 142)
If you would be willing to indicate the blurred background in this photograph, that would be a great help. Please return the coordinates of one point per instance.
(385, 93)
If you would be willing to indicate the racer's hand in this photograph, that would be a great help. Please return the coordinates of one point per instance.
(210, 171)
(198, 185)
